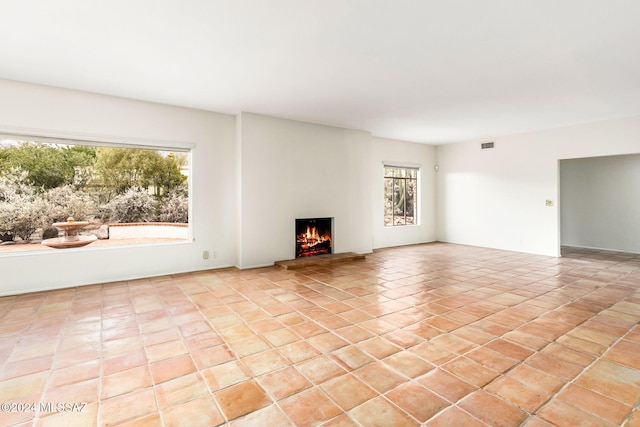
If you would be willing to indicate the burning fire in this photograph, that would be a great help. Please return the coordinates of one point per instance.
(312, 237)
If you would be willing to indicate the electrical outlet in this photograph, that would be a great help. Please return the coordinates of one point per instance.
(549, 203)
(205, 255)
(215, 254)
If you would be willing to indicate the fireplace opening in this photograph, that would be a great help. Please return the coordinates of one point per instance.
(313, 236)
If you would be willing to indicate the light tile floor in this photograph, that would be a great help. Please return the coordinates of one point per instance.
(439, 334)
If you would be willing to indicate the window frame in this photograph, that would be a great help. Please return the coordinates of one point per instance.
(77, 139)
(385, 177)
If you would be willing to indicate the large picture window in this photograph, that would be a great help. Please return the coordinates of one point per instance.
(400, 196)
(120, 194)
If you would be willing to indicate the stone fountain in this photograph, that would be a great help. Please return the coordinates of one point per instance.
(71, 238)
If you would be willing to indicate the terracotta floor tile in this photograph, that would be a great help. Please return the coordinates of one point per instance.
(180, 390)
(584, 346)
(595, 404)
(492, 410)
(417, 401)
(554, 366)
(160, 337)
(265, 325)
(518, 393)
(73, 374)
(308, 329)
(351, 357)
(333, 322)
(470, 371)
(433, 353)
(341, 420)
(298, 351)
(423, 330)
(536, 422)
(249, 346)
(347, 391)
(241, 399)
(269, 416)
(87, 417)
(166, 350)
(309, 407)
(327, 342)
(509, 349)
(225, 374)
(26, 367)
(493, 360)
(29, 351)
(212, 356)
(355, 316)
(584, 333)
(354, 333)
(408, 364)
(442, 323)
(379, 412)
(379, 376)
(320, 369)
(569, 355)
(200, 412)
(634, 420)
(169, 369)
(204, 340)
(236, 333)
(453, 343)
(283, 383)
(281, 337)
(125, 381)
(446, 385)
(377, 326)
(469, 333)
(379, 347)
(264, 362)
(80, 341)
(560, 413)
(612, 380)
(536, 379)
(123, 362)
(526, 340)
(403, 338)
(626, 353)
(19, 418)
(554, 335)
(127, 407)
(453, 416)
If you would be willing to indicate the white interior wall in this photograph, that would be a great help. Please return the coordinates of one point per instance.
(49, 111)
(600, 202)
(246, 179)
(496, 198)
(292, 170)
(403, 154)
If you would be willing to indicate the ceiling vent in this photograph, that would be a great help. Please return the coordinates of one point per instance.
(486, 145)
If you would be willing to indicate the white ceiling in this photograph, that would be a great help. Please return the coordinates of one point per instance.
(431, 71)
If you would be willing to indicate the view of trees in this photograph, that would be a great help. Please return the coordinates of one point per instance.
(400, 196)
(43, 183)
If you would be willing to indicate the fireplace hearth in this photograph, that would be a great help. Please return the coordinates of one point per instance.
(314, 236)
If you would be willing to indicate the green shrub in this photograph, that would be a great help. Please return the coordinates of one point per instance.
(50, 233)
(175, 206)
(134, 205)
(22, 211)
(63, 202)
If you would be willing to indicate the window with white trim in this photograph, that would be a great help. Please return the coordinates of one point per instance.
(139, 194)
(400, 195)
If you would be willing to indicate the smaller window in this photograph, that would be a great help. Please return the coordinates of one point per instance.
(400, 196)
